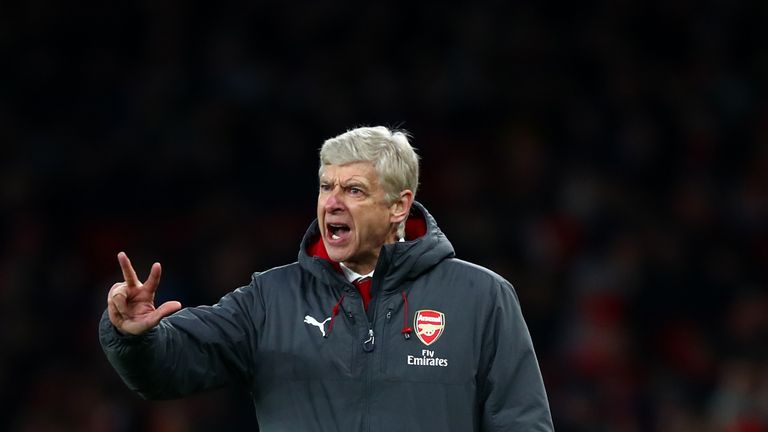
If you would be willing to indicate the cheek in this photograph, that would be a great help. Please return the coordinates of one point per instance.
(375, 225)
(320, 219)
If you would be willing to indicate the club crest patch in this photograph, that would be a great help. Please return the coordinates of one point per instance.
(429, 325)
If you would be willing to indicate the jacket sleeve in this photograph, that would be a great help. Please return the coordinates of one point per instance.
(512, 390)
(195, 349)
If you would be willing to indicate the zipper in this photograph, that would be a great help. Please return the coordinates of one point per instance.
(368, 347)
(368, 343)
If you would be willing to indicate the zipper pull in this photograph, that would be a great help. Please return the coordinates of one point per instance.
(368, 344)
(389, 314)
(351, 317)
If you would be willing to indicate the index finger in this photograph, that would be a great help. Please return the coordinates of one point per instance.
(129, 274)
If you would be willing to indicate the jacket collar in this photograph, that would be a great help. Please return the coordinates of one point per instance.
(424, 247)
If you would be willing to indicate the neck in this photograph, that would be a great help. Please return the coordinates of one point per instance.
(361, 267)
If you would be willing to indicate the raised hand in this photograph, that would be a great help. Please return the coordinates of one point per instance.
(131, 304)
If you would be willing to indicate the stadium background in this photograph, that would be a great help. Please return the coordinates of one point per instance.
(608, 158)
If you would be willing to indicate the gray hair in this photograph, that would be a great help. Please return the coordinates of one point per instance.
(390, 153)
(395, 161)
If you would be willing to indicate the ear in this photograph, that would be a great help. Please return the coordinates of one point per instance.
(400, 209)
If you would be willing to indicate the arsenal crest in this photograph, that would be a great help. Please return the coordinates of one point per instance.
(429, 325)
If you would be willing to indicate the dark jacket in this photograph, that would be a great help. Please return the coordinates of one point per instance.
(460, 360)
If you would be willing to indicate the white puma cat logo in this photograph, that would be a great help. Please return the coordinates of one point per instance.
(321, 325)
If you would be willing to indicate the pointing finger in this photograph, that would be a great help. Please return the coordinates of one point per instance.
(128, 273)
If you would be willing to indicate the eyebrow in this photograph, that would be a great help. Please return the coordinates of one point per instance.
(354, 181)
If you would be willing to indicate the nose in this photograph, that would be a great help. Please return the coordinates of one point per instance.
(334, 201)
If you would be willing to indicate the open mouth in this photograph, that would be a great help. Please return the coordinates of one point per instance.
(337, 231)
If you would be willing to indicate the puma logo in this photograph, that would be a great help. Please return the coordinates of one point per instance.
(320, 325)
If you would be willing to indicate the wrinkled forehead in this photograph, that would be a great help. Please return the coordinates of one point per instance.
(362, 171)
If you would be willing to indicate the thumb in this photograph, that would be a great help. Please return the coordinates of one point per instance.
(165, 309)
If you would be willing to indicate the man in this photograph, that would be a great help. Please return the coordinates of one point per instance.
(377, 327)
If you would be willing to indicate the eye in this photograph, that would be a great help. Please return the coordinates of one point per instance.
(354, 191)
(325, 187)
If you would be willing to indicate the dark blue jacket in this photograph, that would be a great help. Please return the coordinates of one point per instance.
(460, 359)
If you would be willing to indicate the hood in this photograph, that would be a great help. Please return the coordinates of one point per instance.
(424, 246)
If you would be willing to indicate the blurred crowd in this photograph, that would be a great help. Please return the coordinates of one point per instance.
(610, 159)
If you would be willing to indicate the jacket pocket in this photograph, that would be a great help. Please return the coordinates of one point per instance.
(383, 344)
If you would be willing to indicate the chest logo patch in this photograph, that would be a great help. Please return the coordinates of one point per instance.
(319, 324)
(429, 325)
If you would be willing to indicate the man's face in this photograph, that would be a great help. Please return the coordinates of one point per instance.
(354, 215)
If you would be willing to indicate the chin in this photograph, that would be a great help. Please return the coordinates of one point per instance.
(336, 255)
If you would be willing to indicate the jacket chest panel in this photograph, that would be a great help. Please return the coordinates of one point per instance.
(441, 348)
(301, 342)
